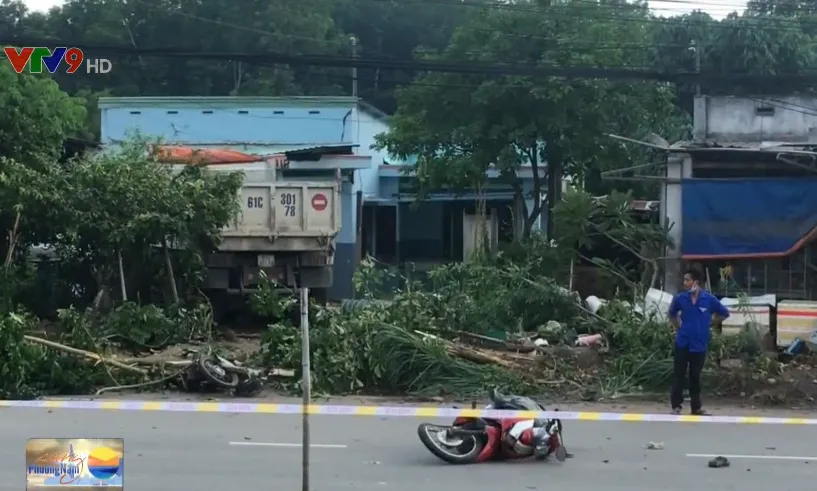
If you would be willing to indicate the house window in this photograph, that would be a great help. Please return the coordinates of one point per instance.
(764, 111)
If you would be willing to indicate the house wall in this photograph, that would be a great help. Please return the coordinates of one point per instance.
(755, 119)
(228, 120)
(368, 127)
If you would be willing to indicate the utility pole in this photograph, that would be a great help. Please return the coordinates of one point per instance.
(353, 40)
(696, 49)
(306, 387)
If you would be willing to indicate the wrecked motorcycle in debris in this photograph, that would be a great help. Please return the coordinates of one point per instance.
(211, 371)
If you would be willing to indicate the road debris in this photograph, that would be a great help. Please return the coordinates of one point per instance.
(719, 462)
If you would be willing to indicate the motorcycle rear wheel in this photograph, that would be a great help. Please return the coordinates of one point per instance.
(463, 450)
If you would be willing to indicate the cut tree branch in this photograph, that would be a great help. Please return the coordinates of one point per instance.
(86, 354)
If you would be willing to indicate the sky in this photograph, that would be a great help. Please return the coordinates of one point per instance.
(716, 8)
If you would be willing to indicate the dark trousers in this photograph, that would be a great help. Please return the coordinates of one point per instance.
(692, 363)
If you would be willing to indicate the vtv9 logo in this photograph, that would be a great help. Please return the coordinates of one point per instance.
(40, 59)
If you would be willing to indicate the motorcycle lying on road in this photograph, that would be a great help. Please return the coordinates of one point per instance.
(212, 371)
(475, 440)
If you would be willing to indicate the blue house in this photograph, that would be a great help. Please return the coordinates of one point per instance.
(321, 135)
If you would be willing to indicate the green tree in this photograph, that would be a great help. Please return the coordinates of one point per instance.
(400, 29)
(35, 117)
(117, 213)
(750, 44)
(236, 26)
(459, 126)
(786, 8)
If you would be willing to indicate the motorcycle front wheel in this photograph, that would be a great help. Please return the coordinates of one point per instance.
(217, 375)
(452, 449)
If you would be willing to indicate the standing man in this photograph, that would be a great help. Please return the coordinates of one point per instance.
(698, 309)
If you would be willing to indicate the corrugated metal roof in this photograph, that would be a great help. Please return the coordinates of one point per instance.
(332, 149)
(759, 146)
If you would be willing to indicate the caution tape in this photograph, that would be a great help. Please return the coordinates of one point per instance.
(392, 411)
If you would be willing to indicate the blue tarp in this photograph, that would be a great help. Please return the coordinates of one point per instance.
(746, 217)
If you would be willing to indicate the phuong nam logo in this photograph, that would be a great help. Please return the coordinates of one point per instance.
(103, 463)
(75, 462)
(41, 59)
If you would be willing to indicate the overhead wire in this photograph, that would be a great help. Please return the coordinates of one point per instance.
(590, 5)
(584, 46)
(571, 45)
(469, 67)
(433, 66)
(642, 72)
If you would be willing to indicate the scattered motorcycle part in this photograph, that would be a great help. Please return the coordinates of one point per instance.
(248, 387)
(214, 373)
(454, 447)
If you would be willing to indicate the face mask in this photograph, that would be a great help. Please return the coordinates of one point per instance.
(693, 289)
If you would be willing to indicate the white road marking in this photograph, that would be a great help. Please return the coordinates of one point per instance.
(286, 445)
(757, 457)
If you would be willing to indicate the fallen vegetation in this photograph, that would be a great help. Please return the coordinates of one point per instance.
(104, 258)
(507, 321)
(460, 341)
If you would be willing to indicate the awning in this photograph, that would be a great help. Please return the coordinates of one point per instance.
(209, 155)
(197, 156)
(747, 218)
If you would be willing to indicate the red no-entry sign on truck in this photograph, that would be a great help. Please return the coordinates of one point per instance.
(319, 202)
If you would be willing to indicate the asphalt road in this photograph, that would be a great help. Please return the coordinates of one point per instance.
(195, 451)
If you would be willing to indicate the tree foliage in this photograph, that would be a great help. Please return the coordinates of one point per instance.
(114, 224)
(772, 37)
(120, 202)
(460, 126)
(751, 44)
(35, 117)
(383, 29)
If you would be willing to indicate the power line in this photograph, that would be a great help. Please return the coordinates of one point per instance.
(466, 67)
(589, 46)
(469, 67)
(560, 44)
(592, 5)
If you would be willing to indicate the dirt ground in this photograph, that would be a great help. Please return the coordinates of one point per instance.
(238, 348)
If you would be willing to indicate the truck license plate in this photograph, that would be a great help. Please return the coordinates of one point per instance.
(266, 260)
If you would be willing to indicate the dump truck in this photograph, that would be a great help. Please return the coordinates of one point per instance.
(286, 227)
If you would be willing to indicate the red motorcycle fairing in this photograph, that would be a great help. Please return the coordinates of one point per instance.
(494, 447)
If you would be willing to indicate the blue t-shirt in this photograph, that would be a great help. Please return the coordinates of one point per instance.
(695, 319)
